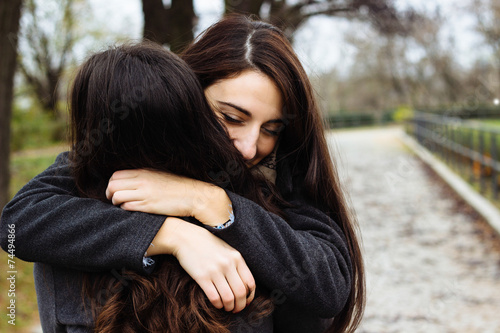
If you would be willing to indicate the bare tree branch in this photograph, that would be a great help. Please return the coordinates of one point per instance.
(49, 56)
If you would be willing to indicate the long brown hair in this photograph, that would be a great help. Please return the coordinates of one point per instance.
(237, 43)
(140, 106)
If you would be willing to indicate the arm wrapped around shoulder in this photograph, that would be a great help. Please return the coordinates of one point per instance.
(55, 226)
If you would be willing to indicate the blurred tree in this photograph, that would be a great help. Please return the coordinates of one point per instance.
(376, 81)
(290, 15)
(388, 70)
(10, 12)
(439, 60)
(50, 42)
(173, 24)
(488, 24)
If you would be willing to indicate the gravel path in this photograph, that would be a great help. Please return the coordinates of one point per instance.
(431, 265)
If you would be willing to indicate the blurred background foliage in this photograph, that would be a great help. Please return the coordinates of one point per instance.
(399, 57)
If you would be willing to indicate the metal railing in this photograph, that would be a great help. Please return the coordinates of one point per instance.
(470, 148)
(350, 120)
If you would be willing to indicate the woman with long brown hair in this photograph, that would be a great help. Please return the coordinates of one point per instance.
(170, 129)
(307, 256)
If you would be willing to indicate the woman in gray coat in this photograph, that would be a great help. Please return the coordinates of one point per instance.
(308, 259)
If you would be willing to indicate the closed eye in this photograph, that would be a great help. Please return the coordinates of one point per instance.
(230, 119)
(271, 132)
(275, 129)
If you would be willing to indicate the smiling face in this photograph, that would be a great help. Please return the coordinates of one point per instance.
(250, 106)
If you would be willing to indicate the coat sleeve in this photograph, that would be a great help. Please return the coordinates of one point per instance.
(303, 260)
(54, 226)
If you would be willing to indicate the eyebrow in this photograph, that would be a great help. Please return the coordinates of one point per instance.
(248, 114)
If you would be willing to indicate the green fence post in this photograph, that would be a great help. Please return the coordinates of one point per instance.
(493, 153)
(481, 162)
(471, 141)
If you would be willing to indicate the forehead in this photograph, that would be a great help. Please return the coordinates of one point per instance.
(250, 90)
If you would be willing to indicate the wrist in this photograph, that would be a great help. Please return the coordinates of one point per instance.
(214, 207)
(166, 240)
(229, 221)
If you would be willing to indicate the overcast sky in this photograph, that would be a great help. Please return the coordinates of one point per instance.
(319, 42)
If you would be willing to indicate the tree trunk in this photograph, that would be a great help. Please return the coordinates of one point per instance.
(181, 21)
(155, 21)
(173, 26)
(10, 12)
(246, 7)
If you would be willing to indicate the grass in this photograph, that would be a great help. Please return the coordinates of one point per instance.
(24, 166)
(493, 122)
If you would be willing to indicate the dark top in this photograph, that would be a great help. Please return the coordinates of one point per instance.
(303, 261)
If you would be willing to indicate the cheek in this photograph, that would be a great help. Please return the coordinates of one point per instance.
(266, 146)
(233, 132)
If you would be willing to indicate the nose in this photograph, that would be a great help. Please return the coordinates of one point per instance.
(247, 144)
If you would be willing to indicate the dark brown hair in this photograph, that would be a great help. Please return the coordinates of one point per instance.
(140, 106)
(236, 44)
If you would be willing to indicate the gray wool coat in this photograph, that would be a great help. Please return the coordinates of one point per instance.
(302, 262)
